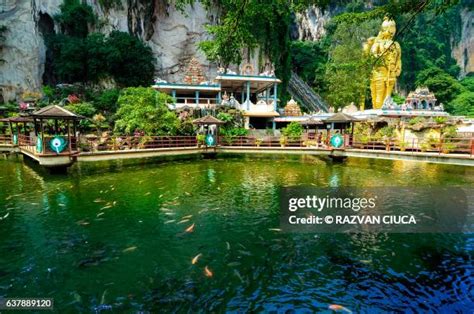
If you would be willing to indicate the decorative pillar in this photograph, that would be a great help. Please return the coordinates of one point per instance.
(219, 98)
(197, 98)
(275, 95)
(248, 95)
(242, 98)
(267, 95)
(173, 94)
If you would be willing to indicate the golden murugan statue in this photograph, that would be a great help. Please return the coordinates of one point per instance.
(389, 62)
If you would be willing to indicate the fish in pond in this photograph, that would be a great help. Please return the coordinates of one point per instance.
(339, 308)
(245, 253)
(196, 258)
(129, 249)
(190, 228)
(188, 194)
(233, 264)
(183, 221)
(274, 229)
(207, 272)
(83, 223)
(5, 216)
(98, 200)
(236, 272)
(147, 193)
(169, 221)
(228, 245)
(187, 217)
(105, 207)
(100, 214)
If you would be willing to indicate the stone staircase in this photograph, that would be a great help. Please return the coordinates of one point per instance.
(305, 95)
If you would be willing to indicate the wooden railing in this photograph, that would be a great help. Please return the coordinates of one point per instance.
(5, 139)
(28, 143)
(458, 145)
(120, 143)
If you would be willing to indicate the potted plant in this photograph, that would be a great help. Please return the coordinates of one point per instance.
(201, 138)
(283, 140)
(258, 142)
(386, 141)
(447, 148)
(403, 146)
(424, 146)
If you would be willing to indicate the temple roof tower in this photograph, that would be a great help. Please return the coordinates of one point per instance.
(194, 73)
(292, 108)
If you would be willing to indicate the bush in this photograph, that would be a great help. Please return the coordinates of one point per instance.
(107, 100)
(294, 129)
(144, 109)
(416, 120)
(463, 104)
(440, 120)
(84, 109)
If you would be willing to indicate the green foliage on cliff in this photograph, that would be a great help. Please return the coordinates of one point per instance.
(75, 18)
(144, 109)
(427, 43)
(78, 56)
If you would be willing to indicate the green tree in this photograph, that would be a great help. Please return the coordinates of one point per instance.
(130, 60)
(348, 69)
(75, 18)
(463, 104)
(443, 85)
(144, 109)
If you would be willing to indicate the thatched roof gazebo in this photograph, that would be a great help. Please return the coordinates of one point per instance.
(208, 120)
(57, 143)
(340, 121)
(211, 125)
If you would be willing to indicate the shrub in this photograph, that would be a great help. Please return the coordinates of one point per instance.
(294, 129)
(145, 109)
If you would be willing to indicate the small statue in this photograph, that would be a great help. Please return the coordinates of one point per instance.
(389, 66)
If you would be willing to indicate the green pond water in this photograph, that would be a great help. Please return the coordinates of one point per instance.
(111, 237)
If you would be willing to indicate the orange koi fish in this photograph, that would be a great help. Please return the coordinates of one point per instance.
(337, 308)
(207, 272)
(195, 259)
(190, 228)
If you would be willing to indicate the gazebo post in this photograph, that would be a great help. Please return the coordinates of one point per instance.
(69, 135)
(11, 130)
(42, 134)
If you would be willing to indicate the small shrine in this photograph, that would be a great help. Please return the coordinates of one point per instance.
(194, 73)
(421, 98)
(292, 109)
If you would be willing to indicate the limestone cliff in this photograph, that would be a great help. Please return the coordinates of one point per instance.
(463, 52)
(171, 34)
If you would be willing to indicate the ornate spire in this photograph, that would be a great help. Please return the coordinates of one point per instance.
(194, 74)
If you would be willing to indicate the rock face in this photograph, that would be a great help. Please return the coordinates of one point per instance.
(310, 24)
(463, 52)
(172, 35)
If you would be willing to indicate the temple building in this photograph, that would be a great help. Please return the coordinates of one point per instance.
(255, 94)
(423, 99)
